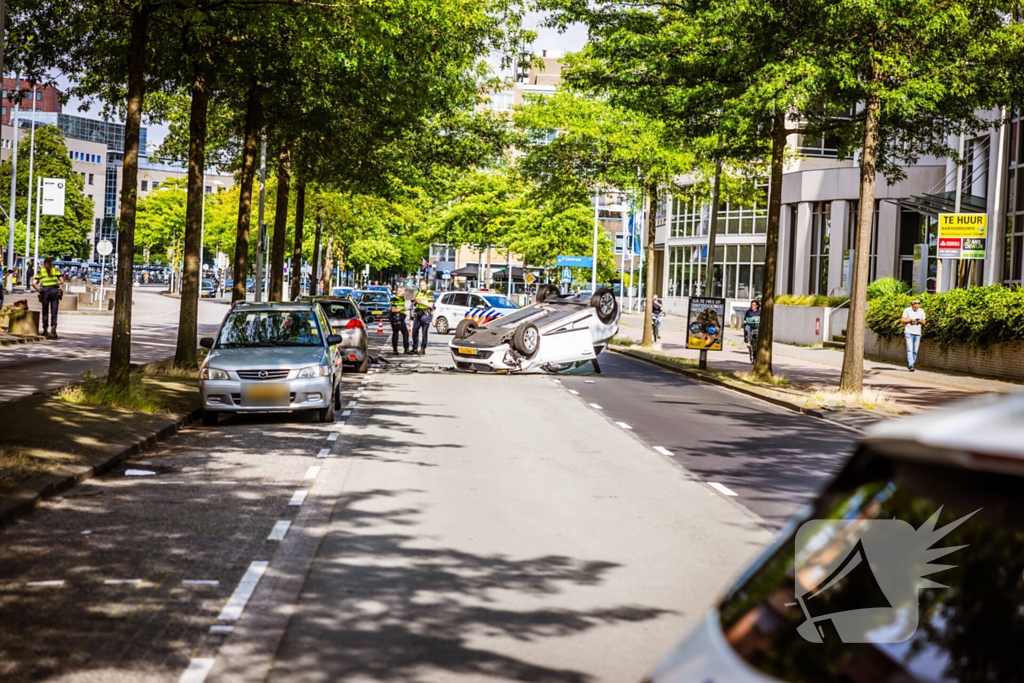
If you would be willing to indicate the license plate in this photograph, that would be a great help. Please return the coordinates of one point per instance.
(468, 352)
(265, 394)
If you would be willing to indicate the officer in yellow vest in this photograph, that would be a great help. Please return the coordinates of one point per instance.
(421, 317)
(398, 321)
(47, 282)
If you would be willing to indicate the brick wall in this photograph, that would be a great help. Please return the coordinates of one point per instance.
(999, 361)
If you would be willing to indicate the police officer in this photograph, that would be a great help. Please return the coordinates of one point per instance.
(398, 321)
(421, 317)
(47, 282)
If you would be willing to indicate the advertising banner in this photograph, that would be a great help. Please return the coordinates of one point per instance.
(704, 322)
(962, 235)
(53, 196)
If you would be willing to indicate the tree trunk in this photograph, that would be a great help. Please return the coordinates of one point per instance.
(284, 180)
(763, 358)
(852, 378)
(648, 338)
(300, 215)
(253, 122)
(188, 312)
(121, 337)
(315, 270)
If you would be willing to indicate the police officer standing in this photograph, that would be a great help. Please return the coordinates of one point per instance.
(398, 321)
(47, 283)
(421, 317)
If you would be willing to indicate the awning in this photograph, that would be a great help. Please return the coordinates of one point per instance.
(502, 274)
(467, 271)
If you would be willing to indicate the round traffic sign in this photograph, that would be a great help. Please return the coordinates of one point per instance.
(446, 271)
(104, 247)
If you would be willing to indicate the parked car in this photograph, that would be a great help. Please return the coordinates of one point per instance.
(379, 288)
(208, 289)
(374, 306)
(451, 307)
(346, 321)
(846, 592)
(342, 291)
(272, 357)
(552, 335)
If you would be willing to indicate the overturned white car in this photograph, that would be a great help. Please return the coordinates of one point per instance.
(554, 334)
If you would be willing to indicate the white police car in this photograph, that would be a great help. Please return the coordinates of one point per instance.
(483, 307)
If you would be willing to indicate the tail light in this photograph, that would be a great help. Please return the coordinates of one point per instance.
(355, 323)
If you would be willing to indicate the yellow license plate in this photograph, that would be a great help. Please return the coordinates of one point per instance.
(275, 394)
(468, 352)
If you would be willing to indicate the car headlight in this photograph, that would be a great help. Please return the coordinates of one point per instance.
(314, 371)
(214, 373)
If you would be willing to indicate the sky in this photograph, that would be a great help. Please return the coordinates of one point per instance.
(547, 39)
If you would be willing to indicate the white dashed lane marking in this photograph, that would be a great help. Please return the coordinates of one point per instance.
(312, 472)
(594, 405)
(663, 450)
(574, 392)
(333, 436)
(121, 582)
(298, 498)
(51, 584)
(246, 587)
(324, 452)
(221, 628)
(351, 403)
(279, 530)
(346, 413)
(721, 488)
(197, 670)
(623, 425)
(200, 582)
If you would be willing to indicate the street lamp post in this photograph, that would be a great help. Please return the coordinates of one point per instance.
(202, 233)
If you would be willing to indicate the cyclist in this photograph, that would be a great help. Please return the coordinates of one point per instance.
(656, 307)
(751, 318)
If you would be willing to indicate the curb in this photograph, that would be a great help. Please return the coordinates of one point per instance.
(27, 339)
(26, 496)
(774, 400)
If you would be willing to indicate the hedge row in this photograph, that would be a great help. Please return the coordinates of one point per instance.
(974, 317)
(810, 300)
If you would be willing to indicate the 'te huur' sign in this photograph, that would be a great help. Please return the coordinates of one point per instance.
(962, 235)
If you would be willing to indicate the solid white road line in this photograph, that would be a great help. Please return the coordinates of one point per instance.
(346, 413)
(197, 670)
(220, 628)
(623, 425)
(588, 381)
(119, 582)
(594, 405)
(333, 436)
(59, 582)
(312, 472)
(279, 530)
(721, 488)
(351, 403)
(574, 392)
(298, 498)
(663, 450)
(200, 582)
(246, 587)
(324, 452)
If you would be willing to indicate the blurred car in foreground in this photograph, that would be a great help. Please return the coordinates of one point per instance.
(847, 593)
(345, 320)
(272, 357)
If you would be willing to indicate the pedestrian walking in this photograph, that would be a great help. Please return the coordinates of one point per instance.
(48, 283)
(421, 317)
(913, 318)
(398, 325)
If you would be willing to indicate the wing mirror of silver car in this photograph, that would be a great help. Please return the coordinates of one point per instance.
(206, 342)
(333, 339)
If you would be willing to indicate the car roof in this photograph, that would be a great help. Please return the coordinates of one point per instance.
(985, 433)
(274, 306)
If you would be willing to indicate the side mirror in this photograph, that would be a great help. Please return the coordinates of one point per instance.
(333, 339)
(206, 342)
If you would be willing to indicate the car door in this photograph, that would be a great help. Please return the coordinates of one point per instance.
(455, 307)
(480, 309)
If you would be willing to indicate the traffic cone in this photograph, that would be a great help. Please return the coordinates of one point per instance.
(380, 327)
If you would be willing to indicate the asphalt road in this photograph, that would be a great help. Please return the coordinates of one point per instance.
(772, 459)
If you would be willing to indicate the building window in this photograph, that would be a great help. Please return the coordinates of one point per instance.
(739, 270)
(1013, 247)
(39, 96)
(851, 244)
(821, 223)
(4, 111)
(145, 183)
(501, 101)
(155, 184)
(208, 189)
(90, 178)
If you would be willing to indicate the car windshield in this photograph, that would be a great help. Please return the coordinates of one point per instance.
(373, 297)
(269, 328)
(499, 301)
(339, 309)
(341, 291)
(209, 284)
(884, 619)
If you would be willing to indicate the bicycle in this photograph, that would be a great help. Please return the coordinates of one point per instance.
(656, 325)
(755, 325)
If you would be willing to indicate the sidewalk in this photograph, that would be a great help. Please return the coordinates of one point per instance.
(811, 369)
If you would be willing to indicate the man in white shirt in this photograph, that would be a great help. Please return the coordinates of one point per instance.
(913, 318)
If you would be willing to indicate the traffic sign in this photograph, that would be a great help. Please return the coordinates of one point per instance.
(566, 275)
(446, 276)
(447, 273)
(529, 278)
(104, 247)
(53, 196)
(575, 261)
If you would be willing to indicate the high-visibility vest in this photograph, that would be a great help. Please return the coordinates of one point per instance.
(399, 303)
(423, 300)
(51, 279)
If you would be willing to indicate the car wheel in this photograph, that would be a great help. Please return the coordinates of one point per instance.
(326, 415)
(442, 325)
(465, 328)
(606, 305)
(526, 340)
(546, 293)
(337, 397)
(210, 418)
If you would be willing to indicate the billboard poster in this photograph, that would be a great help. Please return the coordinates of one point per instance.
(704, 322)
(53, 196)
(962, 235)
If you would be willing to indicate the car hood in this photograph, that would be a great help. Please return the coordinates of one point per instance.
(266, 358)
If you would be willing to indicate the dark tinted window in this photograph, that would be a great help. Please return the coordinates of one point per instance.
(373, 297)
(970, 631)
(269, 328)
(458, 299)
(339, 309)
